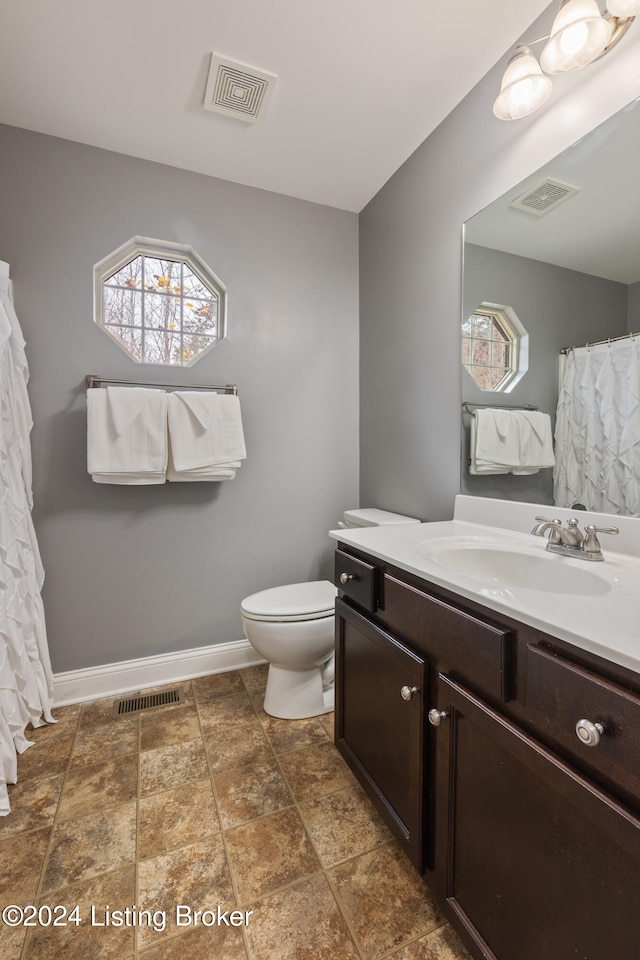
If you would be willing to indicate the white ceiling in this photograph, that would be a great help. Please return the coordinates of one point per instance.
(361, 83)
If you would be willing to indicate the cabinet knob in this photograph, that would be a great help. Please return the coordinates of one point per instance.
(436, 717)
(407, 692)
(589, 733)
(345, 577)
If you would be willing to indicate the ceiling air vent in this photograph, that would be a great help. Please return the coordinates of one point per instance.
(237, 90)
(543, 198)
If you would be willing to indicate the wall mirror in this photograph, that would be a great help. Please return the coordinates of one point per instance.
(562, 251)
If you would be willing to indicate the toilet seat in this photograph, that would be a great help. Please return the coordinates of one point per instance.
(293, 602)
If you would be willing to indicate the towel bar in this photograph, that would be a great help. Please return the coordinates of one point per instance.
(497, 406)
(93, 380)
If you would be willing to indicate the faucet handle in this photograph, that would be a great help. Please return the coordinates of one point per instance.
(591, 543)
(554, 527)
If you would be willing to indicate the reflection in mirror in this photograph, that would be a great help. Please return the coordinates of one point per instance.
(562, 249)
(494, 347)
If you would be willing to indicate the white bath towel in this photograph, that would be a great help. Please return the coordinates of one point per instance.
(127, 435)
(205, 435)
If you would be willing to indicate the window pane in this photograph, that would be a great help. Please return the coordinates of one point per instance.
(131, 339)
(482, 327)
(498, 332)
(193, 286)
(123, 307)
(201, 317)
(161, 312)
(162, 346)
(128, 276)
(481, 352)
(500, 355)
(496, 378)
(194, 345)
(161, 276)
(482, 377)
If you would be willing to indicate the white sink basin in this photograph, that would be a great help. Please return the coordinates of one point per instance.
(515, 567)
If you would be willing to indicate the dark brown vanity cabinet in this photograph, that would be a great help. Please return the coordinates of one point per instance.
(528, 836)
(533, 859)
(380, 722)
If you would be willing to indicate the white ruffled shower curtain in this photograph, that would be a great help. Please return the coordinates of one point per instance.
(598, 429)
(26, 682)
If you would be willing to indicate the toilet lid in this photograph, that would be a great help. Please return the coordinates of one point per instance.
(296, 601)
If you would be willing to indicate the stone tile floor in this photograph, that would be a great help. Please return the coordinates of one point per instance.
(214, 806)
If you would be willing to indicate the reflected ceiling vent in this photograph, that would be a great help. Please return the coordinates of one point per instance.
(237, 90)
(545, 197)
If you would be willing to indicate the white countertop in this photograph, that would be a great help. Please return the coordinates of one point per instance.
(605, 623)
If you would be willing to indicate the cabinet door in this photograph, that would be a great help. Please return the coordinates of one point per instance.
(537, 862)
(380, 732)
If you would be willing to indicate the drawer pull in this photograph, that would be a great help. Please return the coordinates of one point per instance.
(407, 692)
(589, 733)
(345, 577)
(436, 717)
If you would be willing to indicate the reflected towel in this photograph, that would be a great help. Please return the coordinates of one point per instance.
(536, 445)
(494, 441)
(510, 441)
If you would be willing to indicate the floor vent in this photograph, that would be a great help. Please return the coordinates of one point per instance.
(545, 197)
(147, 702)
(237, 90)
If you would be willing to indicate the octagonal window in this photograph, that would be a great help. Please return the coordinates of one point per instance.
(160, 302)
(494, 347)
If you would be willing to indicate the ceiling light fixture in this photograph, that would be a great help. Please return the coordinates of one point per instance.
(623, 8)
(580, 34)
(524, 87)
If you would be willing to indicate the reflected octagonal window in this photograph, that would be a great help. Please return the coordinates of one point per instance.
(495, 347)
(160, 302)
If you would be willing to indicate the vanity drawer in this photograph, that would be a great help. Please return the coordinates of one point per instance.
(464, 645)
(560, 693)
(357, 580)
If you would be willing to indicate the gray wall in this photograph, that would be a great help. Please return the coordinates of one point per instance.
(633, 317)
(136, 571)
(558, 308)
(411, 268)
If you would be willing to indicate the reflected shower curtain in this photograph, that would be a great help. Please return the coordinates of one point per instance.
(26, 683)
(598, 429)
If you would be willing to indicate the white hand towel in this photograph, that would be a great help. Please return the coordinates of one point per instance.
(206, 435)
(127, 435)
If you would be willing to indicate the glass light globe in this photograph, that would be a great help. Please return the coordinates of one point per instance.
(623, 8)
(579, 35)
(524, 88)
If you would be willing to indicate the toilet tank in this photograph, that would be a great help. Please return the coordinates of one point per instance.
(372, 517)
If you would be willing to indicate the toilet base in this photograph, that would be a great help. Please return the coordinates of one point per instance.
(297, 694)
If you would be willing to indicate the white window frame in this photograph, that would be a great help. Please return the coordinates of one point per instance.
(165, 250)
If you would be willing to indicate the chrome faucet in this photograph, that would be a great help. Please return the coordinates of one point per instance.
(569, 541)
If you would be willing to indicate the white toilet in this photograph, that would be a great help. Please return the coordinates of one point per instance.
(292, 627)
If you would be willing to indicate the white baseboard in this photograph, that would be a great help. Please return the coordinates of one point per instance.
(113, 679)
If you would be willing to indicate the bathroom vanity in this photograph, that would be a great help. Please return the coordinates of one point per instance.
(488, 700)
